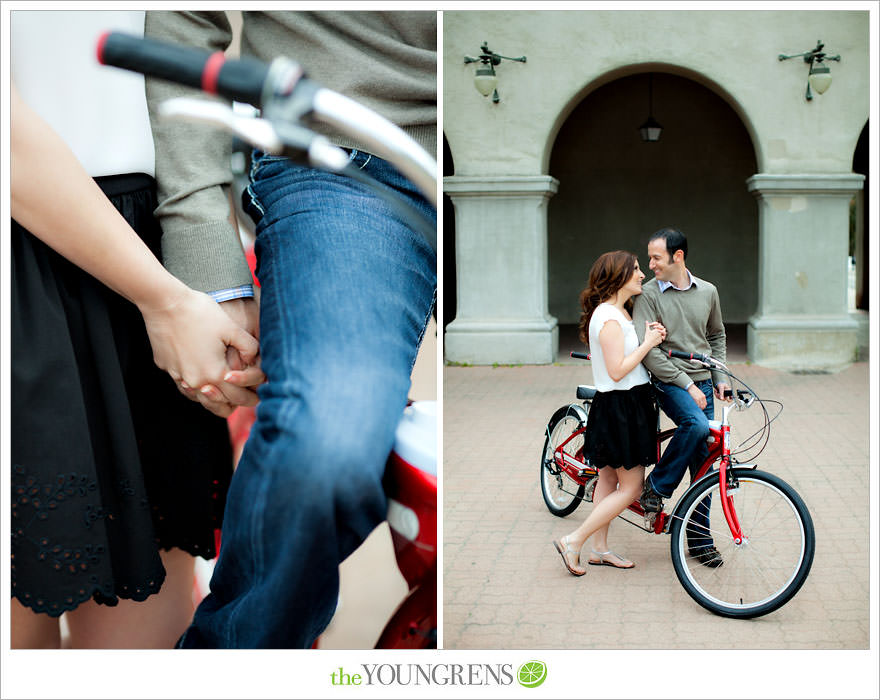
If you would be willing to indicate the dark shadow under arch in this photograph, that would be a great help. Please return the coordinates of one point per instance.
(616, 189)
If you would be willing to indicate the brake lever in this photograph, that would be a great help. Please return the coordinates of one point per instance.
(741, 399)
(747, 401)
(257, 132)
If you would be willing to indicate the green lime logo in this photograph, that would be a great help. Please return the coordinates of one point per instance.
(531, 674)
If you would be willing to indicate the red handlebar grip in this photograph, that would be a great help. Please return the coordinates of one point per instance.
(688, 356)
(99, 49)
(211, 73)
(240, 80)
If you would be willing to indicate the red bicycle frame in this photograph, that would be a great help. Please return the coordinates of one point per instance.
(726, 500)
(577, 469)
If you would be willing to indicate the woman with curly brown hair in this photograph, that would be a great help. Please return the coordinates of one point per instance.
(620, 432)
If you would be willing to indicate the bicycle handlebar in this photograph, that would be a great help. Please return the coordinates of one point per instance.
(242, 79)
(690, 356)
(741, 399)
(282, 90)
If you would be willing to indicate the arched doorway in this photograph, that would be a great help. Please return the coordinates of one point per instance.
(615, 189)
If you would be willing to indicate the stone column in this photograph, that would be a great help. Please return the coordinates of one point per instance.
(802, 321)
(501, 270)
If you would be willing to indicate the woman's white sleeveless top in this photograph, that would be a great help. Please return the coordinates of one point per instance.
(601, 380)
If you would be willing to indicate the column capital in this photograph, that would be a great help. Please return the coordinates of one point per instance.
(500, 185)
(786, 185)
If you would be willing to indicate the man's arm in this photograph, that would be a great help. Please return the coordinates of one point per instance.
(200, 241)
(717, 337)
(655, 361)
(200, 246)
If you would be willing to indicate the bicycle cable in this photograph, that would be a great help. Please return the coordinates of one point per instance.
(763, 433)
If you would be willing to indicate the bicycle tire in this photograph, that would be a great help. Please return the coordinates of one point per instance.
(767, 570)
(562, 495)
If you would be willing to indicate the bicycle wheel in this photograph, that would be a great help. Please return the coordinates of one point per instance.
(562, 494)
(768, 568)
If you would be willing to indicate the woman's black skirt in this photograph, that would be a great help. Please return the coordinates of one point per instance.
(622, 428)
(110, 463)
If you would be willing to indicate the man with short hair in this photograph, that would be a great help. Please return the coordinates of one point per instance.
(690, 310)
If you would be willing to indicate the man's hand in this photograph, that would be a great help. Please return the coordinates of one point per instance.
(719, 392)
(194, 342)
(245, 312)
(219, 403)
(242, 380)
(698, 396)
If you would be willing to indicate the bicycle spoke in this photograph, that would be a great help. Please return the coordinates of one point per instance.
(562, 492)
(759, 572)
(723, 533)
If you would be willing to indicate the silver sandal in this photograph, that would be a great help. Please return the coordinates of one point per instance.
(603, 562)
(564, 547)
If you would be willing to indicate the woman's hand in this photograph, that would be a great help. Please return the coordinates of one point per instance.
(655, 333)
(192, 337)
(189, 332)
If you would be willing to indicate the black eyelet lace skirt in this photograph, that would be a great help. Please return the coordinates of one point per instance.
(110, 463)
(622, 428)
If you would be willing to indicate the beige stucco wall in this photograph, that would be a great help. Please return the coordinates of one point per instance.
(517, 211)
(733, 52)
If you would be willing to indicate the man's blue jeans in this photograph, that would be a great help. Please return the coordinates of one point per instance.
(347, 291)
(687, 450)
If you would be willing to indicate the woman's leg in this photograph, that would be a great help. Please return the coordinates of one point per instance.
(606, 486)
(33, 630)
(155, 623)
(630, 485)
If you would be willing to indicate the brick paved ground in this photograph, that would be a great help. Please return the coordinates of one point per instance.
(504, 586)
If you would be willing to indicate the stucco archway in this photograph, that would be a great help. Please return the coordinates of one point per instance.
(616, 189)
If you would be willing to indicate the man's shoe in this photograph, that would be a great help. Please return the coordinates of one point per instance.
(650, 500)
(707, 556)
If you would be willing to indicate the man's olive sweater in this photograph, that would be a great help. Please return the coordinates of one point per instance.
(384, 60)
(692, 318)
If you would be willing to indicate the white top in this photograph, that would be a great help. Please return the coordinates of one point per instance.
(604, 313)
(99, 111)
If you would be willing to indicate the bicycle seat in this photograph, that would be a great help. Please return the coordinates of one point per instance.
(586, 392)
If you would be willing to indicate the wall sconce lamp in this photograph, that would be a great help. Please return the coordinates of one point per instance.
(820, 74)
(485, 79)
(650, 130)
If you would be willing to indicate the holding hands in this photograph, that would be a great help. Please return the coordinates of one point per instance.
(655, 333)
(210, 356)
(190, 334)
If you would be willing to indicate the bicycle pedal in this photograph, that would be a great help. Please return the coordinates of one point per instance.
(650, 519)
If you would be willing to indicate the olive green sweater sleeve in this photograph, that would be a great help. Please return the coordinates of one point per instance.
(384, 60)
(693, 324)
(657, 362)
(200, 245)
(717, 336)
